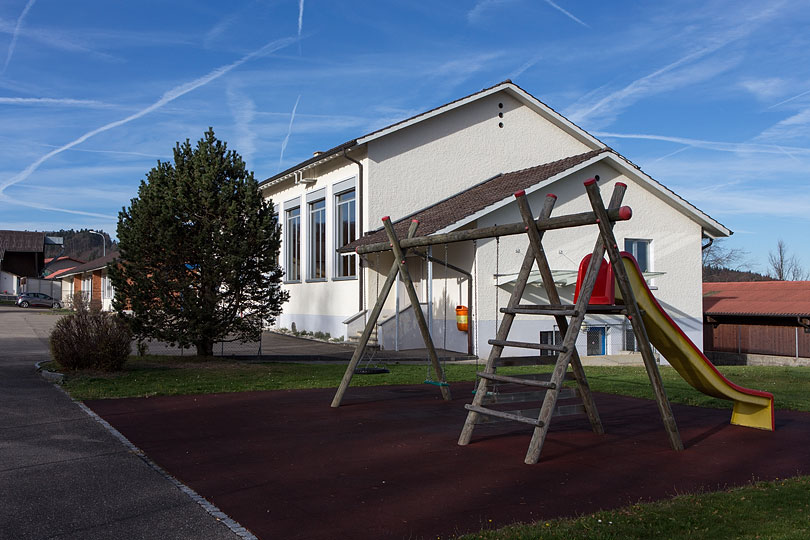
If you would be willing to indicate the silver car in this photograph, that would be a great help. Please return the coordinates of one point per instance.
(35, 299)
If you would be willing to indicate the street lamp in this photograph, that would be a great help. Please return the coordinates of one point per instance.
(103, 242)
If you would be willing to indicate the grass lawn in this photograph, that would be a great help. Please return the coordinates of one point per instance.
(774, 510)
(176, 375)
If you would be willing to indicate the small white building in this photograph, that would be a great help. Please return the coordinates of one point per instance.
(457, 166)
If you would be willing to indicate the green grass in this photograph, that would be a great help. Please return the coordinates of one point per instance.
(176, 375)
(772, 510)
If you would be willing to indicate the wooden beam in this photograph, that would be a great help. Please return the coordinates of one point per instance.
(542, 224)
(634, 314)
(399, 258)
(370, 323)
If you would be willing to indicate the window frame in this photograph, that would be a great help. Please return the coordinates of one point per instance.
(292, 245)
(342, 189)
(317, 266)
(630, 246)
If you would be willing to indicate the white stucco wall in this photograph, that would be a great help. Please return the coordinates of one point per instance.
(8, 283)
(317, 305)
(439, 157)
(675, 250)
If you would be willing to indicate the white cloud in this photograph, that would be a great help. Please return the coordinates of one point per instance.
(243, 110)
(480, 7)
(765, 88)
(67, 102)
(720, 146)
(796, 127)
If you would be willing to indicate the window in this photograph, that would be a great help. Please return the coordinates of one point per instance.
(87, 287)
(317, 240)
(550, 338)
(640, 249)
(107, 288)
(292, 241)
(346, 229)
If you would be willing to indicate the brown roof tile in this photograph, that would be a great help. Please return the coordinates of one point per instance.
(466, 203)
(22, 241)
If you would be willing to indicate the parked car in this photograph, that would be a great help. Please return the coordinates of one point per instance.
(35, 299)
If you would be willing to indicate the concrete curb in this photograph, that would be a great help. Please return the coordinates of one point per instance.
(50, 376)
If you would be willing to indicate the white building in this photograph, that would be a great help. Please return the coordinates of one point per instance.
(457, 166)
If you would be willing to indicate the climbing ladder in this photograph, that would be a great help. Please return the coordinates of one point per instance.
(569, 319)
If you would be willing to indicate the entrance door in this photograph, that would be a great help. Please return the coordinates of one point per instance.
(596, 340)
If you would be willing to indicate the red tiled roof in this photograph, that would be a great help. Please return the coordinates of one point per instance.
(466, 203)
(776, 298)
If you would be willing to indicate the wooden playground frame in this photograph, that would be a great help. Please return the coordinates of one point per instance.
(569, 318)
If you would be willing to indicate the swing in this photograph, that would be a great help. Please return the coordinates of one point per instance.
(428, 379)
(377, 369)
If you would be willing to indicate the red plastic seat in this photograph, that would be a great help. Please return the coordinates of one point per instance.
(604, 291)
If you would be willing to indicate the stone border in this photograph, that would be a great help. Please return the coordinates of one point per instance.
(209, 507)
(50, 376)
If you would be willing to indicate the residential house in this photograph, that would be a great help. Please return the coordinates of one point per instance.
(457, 166)
(54, 266)
(92, 281)
(757, 322)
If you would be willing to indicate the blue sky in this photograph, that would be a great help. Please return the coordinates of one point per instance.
(711, 98)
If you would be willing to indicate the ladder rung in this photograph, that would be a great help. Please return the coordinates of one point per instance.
(505, 415)
(549, 360)
(517, 380)
(551, 309)
(520, 397)
(525, 345)
(562, 410)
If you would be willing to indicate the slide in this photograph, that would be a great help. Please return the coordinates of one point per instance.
(752, 408)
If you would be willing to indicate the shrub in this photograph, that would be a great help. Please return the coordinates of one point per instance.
(91, 339)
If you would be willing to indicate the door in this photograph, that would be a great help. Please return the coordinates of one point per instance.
(596, 340)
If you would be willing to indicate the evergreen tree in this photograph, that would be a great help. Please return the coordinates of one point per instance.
(199, 251)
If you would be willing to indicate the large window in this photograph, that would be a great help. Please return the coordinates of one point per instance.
(346, 229)
(292, 241)
(640, 249)
(317, 240)
(107, 291)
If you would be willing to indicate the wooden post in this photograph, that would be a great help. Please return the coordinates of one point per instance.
(634, 314)
(399, 258)
(535, 239)
(370, 323)
(503, 330)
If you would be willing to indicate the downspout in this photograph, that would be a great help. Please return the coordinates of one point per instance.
(361, 274)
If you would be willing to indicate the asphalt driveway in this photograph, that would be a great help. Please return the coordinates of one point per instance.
(63, 475)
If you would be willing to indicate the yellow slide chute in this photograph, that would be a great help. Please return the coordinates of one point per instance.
(752, 408)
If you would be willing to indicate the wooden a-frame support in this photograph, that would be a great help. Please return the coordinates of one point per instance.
(567, 353)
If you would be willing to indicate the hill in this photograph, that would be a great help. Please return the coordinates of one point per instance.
(81, 244)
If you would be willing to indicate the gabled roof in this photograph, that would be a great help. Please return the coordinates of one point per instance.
(506, 86)
(95, 264)
(466, 206)
(21, 241)
(477, 199)
(757, 298)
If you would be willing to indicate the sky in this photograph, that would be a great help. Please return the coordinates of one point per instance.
(710, 97)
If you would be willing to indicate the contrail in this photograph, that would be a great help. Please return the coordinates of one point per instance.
(55, 101)
(566, 13)
(167, 97)
(13, 43)
(289, 132)
(300, 16)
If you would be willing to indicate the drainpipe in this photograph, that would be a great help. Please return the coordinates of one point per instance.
(361, 275)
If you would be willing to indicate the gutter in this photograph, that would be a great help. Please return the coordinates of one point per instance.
(359, 187)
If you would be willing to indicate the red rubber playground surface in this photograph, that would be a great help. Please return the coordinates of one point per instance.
(386, 464)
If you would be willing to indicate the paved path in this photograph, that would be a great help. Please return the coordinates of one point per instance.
(62, 475)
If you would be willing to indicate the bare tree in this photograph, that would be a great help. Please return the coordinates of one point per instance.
(785, 267)
(718, 255)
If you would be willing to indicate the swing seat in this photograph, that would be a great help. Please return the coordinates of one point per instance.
(371, 371)
(436, 383)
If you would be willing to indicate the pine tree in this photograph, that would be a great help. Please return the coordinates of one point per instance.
(199, 251)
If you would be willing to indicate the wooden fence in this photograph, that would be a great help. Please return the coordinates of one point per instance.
(751, 339)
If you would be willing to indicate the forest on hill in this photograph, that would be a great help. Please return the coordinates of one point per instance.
(82, 244)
